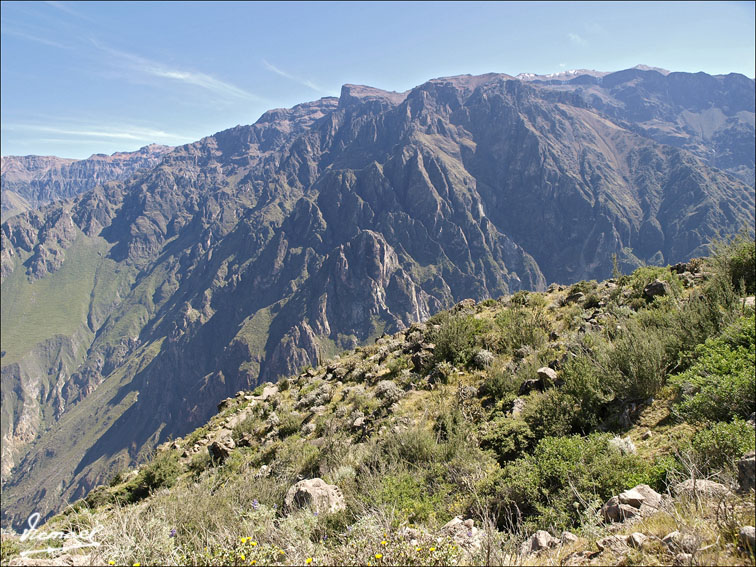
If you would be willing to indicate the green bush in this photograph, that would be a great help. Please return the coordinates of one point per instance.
(455, 339)
(720, 384)
(719, 446)
(508, 438)
(522, 326)
(735, 259)
(410, 497)
(565, 476)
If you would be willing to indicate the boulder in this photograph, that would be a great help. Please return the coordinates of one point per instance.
(568, 538)
(422, 360)
(547, 376)
(576, 297)
(616, 543)
(747, 538)
(632, 497)
(637, 540)
(464, 533)
(700, 487)
(657, 287)
(315, 493)
(746, 472)
(538, 541)
(517, 406)
(220, 450)
(676, 541)
(615, 511)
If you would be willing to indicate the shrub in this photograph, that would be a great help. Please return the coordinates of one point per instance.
(565, 476)
(455, 339)
(522, 326)
(720, 384)
(413, 501)
(719, 446)
(508, 438)
(735, 259)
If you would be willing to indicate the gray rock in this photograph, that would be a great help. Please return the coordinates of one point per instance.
(647, 435)
(632, 497)
(747, 538)
(676, 541)
(615, 511)
(220, 450)
(700, 487)
(319, 496)
(538, 541)
(464, 533)
(746, 472)
(568, 538)
(637, 540)
(616, 543)
(517, 407)
(547, 376)
(574, 298)
(657, 287)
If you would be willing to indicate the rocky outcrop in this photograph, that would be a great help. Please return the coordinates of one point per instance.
(641, 500)
(315, 494)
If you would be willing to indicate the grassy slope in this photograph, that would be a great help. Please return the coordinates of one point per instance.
(440, 440)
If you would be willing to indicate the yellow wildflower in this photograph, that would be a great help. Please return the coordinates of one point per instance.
(419, 549)
(308, 560)
(378, 555)
(281, 552)
(241, 556)
(252, 561)
(432, 549)
(384, 542)
(254, 543)
(111, 562)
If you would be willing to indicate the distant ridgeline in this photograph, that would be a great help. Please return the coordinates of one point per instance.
(131, 309)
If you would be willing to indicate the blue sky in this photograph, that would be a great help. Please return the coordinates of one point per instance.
(88, 77)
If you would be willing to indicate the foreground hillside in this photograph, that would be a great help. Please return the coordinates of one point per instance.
(131, 310)
(459, 438)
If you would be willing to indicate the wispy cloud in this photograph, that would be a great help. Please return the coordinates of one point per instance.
(32, 37)
(575, 38)
(119, 132)
(142, 65)
(63, 7)
(291, 77)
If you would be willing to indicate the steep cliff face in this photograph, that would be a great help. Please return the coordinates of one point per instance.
(264, 248)
(30, 182)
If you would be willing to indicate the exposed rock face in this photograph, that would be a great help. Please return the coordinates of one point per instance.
(30, 182)
(538, 541)
(702, 487)
(747, 472)
(641, 500)
(320, 497)
(262, 249)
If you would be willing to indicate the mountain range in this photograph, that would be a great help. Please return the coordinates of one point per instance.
(131, 309)
(30, 182)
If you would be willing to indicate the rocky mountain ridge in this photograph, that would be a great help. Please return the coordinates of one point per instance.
(251, 253)
(30, 182)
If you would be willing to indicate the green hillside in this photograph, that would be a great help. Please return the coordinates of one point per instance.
(520, 414)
